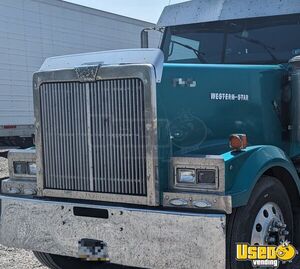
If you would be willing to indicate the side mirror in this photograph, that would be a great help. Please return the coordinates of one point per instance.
(145, 38)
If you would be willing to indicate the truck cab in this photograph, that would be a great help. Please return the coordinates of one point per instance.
(178, 157)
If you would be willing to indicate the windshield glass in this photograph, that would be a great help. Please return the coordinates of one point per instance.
(271, 40)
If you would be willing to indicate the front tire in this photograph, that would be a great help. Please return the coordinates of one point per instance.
(269, 206)
(59, 262)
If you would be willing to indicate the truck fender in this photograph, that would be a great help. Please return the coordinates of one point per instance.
(243, 170)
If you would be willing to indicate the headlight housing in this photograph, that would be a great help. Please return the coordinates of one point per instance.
(22, 164)
(194, 174)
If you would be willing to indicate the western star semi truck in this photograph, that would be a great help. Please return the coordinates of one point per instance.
(33, 30)
(186, 156)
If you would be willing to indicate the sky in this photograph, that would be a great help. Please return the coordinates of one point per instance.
(147, 10)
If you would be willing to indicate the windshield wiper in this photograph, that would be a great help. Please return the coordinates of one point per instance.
(200, 55)
(257, 42)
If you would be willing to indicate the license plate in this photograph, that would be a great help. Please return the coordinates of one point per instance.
(93, 250)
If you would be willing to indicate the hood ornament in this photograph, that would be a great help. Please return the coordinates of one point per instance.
(87, 73)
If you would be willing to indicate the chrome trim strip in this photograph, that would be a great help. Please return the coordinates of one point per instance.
(22, 186)
(189, 200)
(86, 64)
(89, 133)
(96, 196)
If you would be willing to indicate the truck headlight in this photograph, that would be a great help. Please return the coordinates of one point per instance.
(194, 174)
(206, 176)
(24, 168)
(197, 178)
(22, 173)
(22, 164)
(186, 176)
(32, 169)
(20, 168)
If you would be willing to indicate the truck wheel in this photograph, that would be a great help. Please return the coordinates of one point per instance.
(60, 262)
(267, 219)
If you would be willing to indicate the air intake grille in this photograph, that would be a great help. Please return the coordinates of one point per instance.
(94, 136)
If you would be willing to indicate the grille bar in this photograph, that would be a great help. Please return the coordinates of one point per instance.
(94, 136)
(116, 136)
(64, 136)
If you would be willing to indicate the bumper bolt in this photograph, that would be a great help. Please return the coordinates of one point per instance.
(271, 240)
(285, 233)
(280, 225)
(273, 230)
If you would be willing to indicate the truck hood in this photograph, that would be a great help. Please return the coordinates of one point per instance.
(199, 106)
(154, 57)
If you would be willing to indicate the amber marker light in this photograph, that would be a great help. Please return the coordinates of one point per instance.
(238, 142)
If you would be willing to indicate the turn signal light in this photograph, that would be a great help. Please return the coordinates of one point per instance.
(238, 142)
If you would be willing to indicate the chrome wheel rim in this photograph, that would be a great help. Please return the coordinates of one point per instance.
(269, 226)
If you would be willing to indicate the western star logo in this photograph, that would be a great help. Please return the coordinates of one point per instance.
(229, 97)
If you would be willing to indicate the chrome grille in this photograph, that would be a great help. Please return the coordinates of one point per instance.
(94, 136)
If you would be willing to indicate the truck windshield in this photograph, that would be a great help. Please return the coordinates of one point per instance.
(271, 40)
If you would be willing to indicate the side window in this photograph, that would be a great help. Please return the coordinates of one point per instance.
(209, 45)
(178, 52)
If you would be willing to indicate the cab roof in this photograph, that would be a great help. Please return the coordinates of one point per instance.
(199, 11)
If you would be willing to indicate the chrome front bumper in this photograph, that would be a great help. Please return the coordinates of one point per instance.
(141, 238)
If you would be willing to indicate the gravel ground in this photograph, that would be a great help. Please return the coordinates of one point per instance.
(14, 258)
(11, 258)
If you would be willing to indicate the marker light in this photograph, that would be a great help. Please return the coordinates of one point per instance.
(202, 204)
(238, 142)
(179, 202)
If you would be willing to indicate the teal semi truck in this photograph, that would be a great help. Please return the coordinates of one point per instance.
(171, 157)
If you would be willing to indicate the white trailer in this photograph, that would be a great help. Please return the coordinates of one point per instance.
(33, 30)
